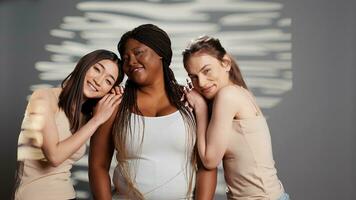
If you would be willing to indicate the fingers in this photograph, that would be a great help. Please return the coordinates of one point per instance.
(117, 102)
(104, 98)
(117, 90)
(112, 99)
(189, 84)
(187, 105)
(108, 98)
(182, 98)
(115, 93)
(185, 90)
(122, 89)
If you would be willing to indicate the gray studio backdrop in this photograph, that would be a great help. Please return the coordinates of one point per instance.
(298, 58)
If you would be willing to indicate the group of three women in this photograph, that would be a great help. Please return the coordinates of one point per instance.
(169, 139)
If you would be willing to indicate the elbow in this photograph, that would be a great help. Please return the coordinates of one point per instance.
(53, 161)
(210, 164)
(96, 169)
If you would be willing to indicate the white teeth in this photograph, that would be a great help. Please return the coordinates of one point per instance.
(92, 87)
(136, 69)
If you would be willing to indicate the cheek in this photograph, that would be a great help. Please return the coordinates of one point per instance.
(155, 64)
(87, 75)
(107, 89)
(125, 68)
(195, 83)
(214, 75)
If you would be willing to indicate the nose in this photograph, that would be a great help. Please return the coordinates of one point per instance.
(98, 80)
(202, 81)
(132, 60)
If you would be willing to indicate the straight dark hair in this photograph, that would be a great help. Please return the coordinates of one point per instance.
(71, 97)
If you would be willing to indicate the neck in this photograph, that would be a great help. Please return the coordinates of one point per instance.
(84, 99)
(156, 88)
(226, 82)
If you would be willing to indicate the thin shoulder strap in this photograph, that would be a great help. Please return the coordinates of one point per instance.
(252, 100)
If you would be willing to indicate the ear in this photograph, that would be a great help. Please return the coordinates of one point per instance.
(226, 62)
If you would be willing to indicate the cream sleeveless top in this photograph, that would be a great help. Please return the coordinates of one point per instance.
(39, 180)
(158, 165)
(248, 164)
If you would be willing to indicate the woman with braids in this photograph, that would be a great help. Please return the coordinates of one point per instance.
(152, 132)
(231, 127)
(58, 122)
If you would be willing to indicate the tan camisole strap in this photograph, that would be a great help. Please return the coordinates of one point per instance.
(252, 100)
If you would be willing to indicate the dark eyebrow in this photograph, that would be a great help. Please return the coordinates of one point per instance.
(204, 67)
(199, 70)
(101, 65)
(134, 49)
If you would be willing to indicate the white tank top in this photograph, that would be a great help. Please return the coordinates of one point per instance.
(158, 165)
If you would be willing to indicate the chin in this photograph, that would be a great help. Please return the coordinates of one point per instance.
(206, 96)
(91, 95)
(139, 80)
(209, 97)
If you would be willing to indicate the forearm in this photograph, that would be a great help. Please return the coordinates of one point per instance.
(205, 184)
(202, 125)
(100, 184)
(58, 152)
(101, 151)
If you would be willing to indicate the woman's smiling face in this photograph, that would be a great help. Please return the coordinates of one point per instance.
(207, 73)
(140, 63)
(100, 78)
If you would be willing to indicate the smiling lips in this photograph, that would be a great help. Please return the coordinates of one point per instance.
(92, 87)
(206, 90)
(136, 69)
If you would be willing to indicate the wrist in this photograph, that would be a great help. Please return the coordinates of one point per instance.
(96, 121)
(201, 110)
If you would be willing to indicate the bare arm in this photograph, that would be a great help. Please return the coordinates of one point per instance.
(205, 179)
(56, 151)
(205, 183)
(212, 137)
(100, 155)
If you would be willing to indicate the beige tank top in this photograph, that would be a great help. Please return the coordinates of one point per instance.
(249, 168)
(39, 180)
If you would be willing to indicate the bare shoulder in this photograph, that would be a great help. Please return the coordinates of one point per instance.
(230, 93)
(232, 97)
(45, 98)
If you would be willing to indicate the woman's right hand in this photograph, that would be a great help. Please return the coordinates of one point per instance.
(106, 106)
(195, 100)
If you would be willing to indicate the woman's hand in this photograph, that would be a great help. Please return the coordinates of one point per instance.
(194, 100)
(106, 106)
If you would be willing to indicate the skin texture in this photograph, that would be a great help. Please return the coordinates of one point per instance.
(229, 102)
(208, 74)
(100, 79)
(55, 151)
(143, 66)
